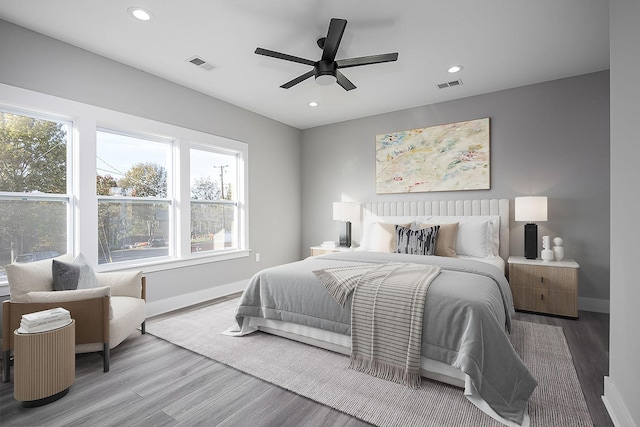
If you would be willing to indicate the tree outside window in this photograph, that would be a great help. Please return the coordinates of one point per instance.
(33, 187)
(133, 203)
(214, 204)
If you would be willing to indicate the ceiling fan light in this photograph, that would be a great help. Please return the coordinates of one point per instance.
(326, 79)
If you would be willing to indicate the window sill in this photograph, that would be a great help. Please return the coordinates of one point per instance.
(161, 264)
(169, 263)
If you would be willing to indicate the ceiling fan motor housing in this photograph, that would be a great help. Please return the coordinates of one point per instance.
(325, 72)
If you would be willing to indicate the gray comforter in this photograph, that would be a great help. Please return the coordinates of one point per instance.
(466, 319)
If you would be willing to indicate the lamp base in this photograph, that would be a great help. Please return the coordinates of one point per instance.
(530, 241)
(345, 234)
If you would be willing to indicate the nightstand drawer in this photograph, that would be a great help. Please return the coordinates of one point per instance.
(319, 250)
(533, 276)
(562, 303)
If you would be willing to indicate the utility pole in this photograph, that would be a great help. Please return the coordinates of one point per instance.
(222, 168)
(224, 222)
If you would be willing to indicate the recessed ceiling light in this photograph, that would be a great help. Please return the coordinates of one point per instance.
(455, 69)
(313, 104)
(140, 13)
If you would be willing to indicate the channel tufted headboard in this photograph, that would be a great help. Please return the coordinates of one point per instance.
(498, 207)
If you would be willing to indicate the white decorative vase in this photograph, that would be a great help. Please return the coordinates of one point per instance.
(558, 250)
(547, 255)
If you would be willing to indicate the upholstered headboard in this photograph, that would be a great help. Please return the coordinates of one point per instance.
(498, 207)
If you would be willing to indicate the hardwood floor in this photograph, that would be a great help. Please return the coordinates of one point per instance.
(155, 383)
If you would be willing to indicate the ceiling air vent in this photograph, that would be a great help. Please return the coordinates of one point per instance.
(201, 63)
(449, 84)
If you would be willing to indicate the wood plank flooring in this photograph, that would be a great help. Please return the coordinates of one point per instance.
(155, 383)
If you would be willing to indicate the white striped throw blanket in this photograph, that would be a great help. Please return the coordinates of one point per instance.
(386, 315)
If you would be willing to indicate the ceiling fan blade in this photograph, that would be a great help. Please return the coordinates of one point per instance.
(297, 80)
(366, 60)
(334, 35)
(344, 82)
(278, 55)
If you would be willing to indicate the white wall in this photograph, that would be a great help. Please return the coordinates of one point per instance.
(32, 61)
(551, 139)
(622, 387)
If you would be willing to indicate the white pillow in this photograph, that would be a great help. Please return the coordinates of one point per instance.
(473, 239)
(122, 283)
(370, 235)
(33, 276)
(478, 236)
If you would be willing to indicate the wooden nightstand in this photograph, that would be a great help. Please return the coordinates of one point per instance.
(549, 287)
(319, 250)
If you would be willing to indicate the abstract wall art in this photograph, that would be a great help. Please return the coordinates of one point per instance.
(450, 157)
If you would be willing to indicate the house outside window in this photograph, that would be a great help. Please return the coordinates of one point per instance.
(214, 203)
(35, 187)
(135, 208)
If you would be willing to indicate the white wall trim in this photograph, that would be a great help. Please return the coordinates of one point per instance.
(615, 405)
(180, 301)
(594, 304)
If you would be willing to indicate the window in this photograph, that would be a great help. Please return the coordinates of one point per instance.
(214, 199)
(134, 204)
(135, 193)
(34, 187)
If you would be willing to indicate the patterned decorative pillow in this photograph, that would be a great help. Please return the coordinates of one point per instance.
(71, 276)
(416, 242)
(446, 242)
(65, 275)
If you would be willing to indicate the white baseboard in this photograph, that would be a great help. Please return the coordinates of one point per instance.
(615, 406)
(169, 304)
(593, 304)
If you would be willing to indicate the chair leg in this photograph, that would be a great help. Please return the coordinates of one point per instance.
(143, 327)
(105, 357)
(6, 365)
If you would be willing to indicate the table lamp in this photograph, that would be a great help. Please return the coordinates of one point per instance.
(531, 208)
(345, 212)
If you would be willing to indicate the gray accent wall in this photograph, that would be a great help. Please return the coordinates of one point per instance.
(33, 61)
(548, 139)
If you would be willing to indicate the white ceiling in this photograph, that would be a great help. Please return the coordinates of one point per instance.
(501, 44)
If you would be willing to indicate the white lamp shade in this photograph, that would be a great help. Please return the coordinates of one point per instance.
(346, 211)
(531, 208)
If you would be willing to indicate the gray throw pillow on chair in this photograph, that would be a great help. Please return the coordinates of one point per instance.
(65, 276)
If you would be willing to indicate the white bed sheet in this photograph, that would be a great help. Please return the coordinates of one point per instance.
(493, 260)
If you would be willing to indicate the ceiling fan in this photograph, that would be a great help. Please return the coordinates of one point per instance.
(327, 69)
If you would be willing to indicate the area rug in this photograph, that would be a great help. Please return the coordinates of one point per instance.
(324, 376)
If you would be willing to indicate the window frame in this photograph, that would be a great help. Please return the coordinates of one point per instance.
(82, 205)
(239, 200)
(169, 199)
(67, 197)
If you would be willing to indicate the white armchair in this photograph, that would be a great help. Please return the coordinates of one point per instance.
(105, 315)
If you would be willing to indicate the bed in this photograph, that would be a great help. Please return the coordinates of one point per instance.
(467, 311)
